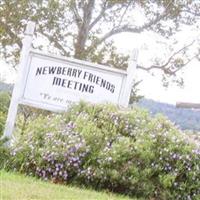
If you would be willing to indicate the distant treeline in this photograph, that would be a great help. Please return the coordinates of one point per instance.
(183, 118)
(6, 87)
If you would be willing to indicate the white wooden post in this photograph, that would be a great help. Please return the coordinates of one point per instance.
(17, 91)
(131, 74)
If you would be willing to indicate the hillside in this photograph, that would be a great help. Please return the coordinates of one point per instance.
(183, 118)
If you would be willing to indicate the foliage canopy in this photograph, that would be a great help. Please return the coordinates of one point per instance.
(85, 29)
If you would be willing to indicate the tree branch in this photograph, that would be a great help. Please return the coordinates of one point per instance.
(87, 12)
(76, 15)
(189, 60)
(11, 33)
(124, 13)
(99, 16)
(129, 29)
(53, 40)
(191, 12)
(164, 67)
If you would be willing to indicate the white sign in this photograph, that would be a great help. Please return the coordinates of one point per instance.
(53, 82)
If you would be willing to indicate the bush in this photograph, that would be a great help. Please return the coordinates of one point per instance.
(137, 155)
(2, 122)
(4, 153)
(4, 105)
(120, 150)
(4, 101)
(45, 151)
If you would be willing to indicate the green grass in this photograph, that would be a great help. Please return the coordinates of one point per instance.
(15, 186)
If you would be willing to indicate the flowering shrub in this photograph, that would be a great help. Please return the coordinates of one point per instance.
(55, 155)
(135, 154)
(104, 147)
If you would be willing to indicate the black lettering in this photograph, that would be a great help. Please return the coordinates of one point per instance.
(79, 73)
(108, 86)
(64, 69)
(38, 71)
(75, 85)
(85, 75)
(57, 81)
(90, 77)
(94, 79)
(112, 89)
(80, 86)
(74, 72)
(44, 71)
(69, 84)
(85, 88)
(91, 89)
(52, 70)
(59, 70)
(103, 83)
(64, 82)
(69, 71)
(98, 80)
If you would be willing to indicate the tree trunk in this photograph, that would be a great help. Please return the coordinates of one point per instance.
(83, 30)
(80, 43)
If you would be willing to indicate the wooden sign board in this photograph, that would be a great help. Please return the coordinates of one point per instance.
(53, 82)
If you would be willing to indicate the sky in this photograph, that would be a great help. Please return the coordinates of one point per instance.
(149, 45)
(151, 86)
(153, 89)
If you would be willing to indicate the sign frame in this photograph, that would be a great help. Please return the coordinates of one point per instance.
(77, 63)
(25, 60)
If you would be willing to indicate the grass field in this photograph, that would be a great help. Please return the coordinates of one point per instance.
(14, 186)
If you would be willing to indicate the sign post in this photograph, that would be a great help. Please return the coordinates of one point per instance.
(54, 82)
(12, 112)
(131, 75)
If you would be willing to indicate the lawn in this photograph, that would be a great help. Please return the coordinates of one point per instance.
(14, 186)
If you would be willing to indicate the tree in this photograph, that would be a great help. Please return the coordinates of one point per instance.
(85, 29)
